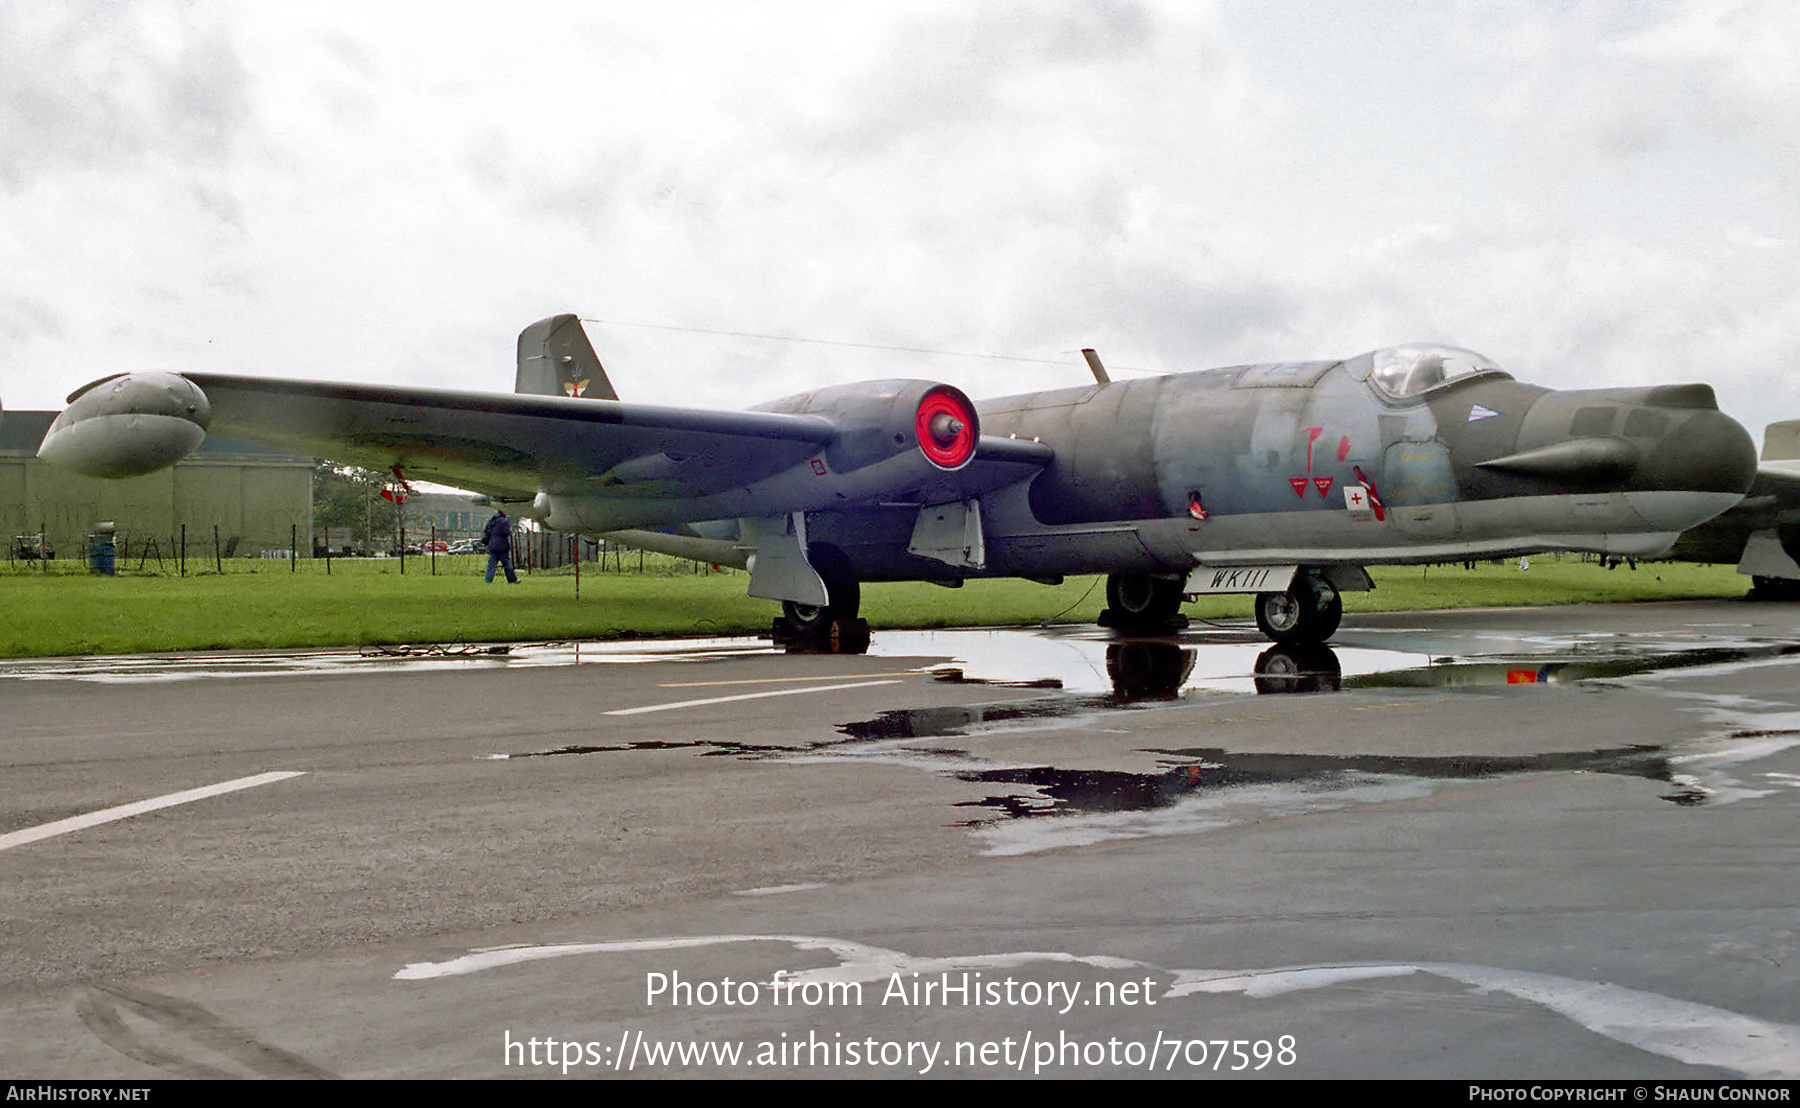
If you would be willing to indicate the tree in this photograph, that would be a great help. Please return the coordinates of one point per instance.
(347, 499)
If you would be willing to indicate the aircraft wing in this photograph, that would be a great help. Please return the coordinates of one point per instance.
(512, 445)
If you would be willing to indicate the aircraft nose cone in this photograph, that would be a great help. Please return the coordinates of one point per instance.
(1706, 452)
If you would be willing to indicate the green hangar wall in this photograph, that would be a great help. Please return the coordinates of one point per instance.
(258, 497)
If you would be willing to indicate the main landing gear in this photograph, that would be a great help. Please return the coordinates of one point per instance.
(1774, 588)
(1142, 603)
(833, 628)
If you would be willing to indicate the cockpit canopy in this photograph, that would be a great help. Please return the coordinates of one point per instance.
(1403, 372)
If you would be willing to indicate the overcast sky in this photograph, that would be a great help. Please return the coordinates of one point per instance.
(1590, 194)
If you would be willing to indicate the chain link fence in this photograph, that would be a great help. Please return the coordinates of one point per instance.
(199, 549)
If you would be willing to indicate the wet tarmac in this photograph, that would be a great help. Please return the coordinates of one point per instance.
(1087, 673)
(1501, 802)
(1218, 658)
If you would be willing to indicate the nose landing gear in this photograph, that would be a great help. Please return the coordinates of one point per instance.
(1307, 611)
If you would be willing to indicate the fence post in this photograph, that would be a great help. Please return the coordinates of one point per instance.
(293, 548)
(183, 561)
(218, 564)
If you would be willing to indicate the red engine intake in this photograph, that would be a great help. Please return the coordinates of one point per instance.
(947, 427)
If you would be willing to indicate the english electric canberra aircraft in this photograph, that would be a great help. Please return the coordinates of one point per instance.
(1282, 480)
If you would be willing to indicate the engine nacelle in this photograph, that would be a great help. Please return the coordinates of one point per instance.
(878, 419)
(128, 425)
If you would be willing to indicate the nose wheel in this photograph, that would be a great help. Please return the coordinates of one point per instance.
(1307, 611)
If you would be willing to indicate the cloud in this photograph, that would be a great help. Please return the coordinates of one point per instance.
(106, 87)
(390, 192)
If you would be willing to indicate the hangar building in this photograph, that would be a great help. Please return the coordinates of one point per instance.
(259, 499)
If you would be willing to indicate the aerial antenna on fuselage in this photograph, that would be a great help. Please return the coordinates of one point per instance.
(1093, 361)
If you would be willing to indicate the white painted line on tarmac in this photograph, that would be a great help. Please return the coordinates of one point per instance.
(138, 808)
(742, 696)
(780, 680)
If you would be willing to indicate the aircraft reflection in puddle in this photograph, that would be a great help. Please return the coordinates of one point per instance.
(1132, 670)
(1284, 669)
(1206, 787)
(1144, 671)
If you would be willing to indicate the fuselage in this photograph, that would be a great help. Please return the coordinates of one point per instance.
(1405, 455)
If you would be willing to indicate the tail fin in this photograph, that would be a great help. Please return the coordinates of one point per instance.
(1781, 440)
(556, 359)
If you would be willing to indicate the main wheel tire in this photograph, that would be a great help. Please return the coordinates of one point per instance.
(843, 598)
(1138, 600)
(806, 619)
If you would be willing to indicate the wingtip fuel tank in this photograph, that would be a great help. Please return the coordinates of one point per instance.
(128, 425)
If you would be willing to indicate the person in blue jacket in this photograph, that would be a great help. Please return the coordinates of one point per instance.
(497, 537)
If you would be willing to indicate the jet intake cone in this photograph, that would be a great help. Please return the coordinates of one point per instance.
(947, 427)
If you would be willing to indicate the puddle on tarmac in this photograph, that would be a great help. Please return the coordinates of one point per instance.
(1227, 660)
(1210, 789)
(1204, 782)
(1088, 673)
(1201, 770)
(1216, 657)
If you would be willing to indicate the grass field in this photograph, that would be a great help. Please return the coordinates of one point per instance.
(257, 603)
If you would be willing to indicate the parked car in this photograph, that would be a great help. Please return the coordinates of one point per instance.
(33, 548)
